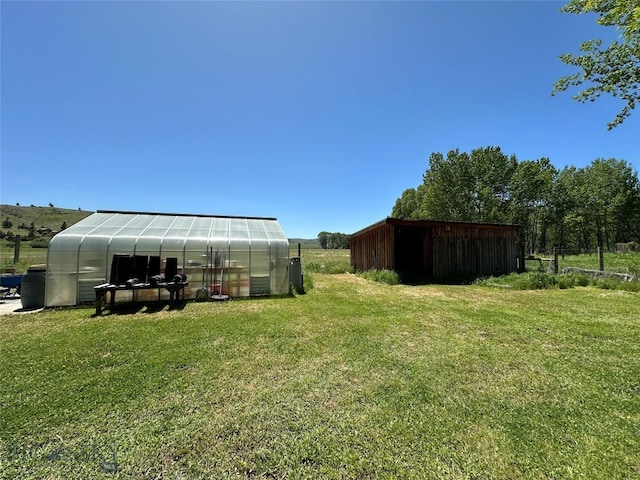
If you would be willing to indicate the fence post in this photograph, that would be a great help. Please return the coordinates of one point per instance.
(600, 247)
(600, 258)
(16, 250)
(555, 260)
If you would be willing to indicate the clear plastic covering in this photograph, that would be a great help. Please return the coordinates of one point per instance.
(235, 256)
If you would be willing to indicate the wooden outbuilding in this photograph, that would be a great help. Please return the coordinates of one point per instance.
(426, 249)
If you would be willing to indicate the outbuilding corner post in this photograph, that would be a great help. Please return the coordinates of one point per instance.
(521, 265)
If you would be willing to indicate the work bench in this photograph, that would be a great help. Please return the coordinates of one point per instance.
(174, 289)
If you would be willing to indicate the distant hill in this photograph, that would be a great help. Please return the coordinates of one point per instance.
(42, 217)
(304, 242)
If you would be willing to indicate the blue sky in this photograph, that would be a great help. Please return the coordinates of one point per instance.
(318, 113)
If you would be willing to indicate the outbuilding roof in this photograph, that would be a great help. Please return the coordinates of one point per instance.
(431, 223)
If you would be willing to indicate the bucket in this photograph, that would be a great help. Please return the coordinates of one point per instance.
(32, 287)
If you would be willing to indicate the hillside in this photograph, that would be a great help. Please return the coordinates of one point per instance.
(47, 217)
(53, 217)
(304, 242)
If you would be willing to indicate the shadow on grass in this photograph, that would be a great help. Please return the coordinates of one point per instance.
(130, 308)
(418, 280)
(253, 298)
(30, 310)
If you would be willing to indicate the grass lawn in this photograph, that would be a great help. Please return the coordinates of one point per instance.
(28, 256)
(353, 380)
(614, 262)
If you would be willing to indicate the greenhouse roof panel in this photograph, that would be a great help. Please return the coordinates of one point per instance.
(170, 225)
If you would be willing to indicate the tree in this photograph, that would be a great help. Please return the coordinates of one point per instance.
(492, 173)
(531, 187)
(461, 187)
(323, 238)
(568, 197)
(614, 70)
(612, 190)
(406, 205)
(338, 240)
(597, 204)
(446, 187)
(333, 240)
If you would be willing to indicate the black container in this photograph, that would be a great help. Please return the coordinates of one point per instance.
(140, 267)
(115, 264)
(171, 267)
(32, 287)
(122, 269)
(154, 266)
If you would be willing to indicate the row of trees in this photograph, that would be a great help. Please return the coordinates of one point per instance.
(333, 240)
(9, 235)
(578, 208)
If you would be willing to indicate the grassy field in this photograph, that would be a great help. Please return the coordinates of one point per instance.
(51, 217)
(23, 216)
(615, 262)
(352, 380)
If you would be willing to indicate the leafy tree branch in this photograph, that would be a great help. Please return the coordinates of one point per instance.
(614, 70)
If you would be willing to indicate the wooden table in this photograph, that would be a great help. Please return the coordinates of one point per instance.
(174, 289)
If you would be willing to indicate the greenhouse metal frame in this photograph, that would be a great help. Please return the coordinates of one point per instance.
(235, 256)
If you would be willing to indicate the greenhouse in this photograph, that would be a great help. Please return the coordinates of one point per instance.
(234, 256)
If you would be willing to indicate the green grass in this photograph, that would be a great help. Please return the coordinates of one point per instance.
(536, 277)
(28, 256)
(613, 262)
(381, 276)
(353, 380)
(318, 260)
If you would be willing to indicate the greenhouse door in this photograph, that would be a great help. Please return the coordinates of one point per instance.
(260, 278)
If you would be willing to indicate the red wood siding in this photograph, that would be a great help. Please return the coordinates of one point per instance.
(373, 250)
(436, 249)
